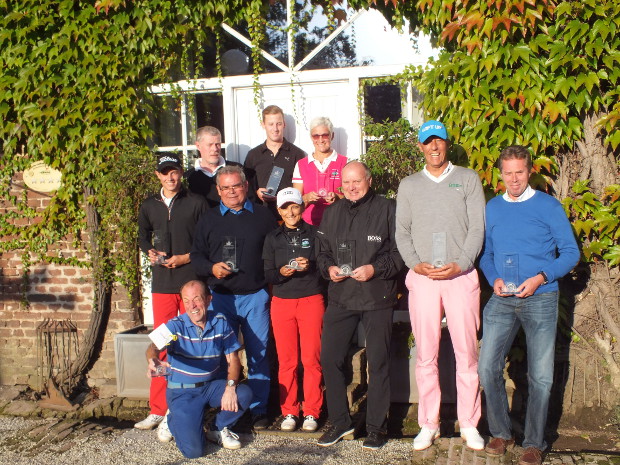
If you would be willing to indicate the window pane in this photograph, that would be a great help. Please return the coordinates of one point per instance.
(382, 102)
(166, 121)
(209, 111)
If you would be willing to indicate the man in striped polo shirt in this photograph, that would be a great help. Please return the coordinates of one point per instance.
(198, 340)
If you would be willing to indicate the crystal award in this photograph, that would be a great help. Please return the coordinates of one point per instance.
(229, 252)
(274, 181)
(161, 243)
(293, 249)
(344, 257)
(440, 250)
(510, 265)
(161, 370)
(322, 187)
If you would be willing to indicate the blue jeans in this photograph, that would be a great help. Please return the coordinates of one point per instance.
(187, 408)
(250, 314)
(502, 317)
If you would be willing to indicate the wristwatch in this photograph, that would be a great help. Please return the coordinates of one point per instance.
(231, 383)
(544, 275)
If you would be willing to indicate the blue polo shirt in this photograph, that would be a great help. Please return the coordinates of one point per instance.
(196, 354)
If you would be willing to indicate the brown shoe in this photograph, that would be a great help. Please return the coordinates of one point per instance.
(498, 446)
(531, 456)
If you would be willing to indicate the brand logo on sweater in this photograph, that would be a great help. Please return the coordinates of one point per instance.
(305, 243)
(455, 185)
(374, 238)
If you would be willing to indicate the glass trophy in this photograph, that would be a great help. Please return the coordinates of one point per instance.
(274, 181)
(344, 257)
(322, 185)
(510, 273)
(293, 249)
(229, 252)
(161, 370)
(161, 243)
(440, 249)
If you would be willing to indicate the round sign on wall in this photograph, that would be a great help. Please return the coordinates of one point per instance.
(42, 178)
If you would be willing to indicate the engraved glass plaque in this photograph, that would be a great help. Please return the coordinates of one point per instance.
(440, 250)
(293, 250)
(161, 370)
(229, 252)
(510, 275)
(344, 257)
(322, 184)
(274, 181)
(161, 243)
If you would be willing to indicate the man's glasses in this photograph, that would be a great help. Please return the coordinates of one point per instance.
(320, 136)
(231, 188)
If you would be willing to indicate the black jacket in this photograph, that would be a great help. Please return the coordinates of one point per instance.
(370, 223)
(276, 254)
(174, 230)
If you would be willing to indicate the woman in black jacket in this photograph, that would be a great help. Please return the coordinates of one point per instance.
(297, 309)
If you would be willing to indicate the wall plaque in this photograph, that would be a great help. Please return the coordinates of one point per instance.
(42, 178)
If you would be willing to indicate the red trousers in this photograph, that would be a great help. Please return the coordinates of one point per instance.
(297, 324)
(165, 307)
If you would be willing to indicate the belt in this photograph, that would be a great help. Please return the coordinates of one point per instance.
(172, 385)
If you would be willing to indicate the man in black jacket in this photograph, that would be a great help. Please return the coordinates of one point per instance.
(166, 223)
(357, 254)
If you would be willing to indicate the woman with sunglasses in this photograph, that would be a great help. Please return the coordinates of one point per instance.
(317, 176)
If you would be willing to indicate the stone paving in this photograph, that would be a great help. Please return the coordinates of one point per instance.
(96, 434)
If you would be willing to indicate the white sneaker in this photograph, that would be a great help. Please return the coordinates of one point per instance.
(226, 438)
(149, 422)
(289, 423)
(425, 438)
(163, 432)
(472, 438)
(310, 424)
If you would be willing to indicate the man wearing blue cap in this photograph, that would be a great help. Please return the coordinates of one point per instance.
(439, 233)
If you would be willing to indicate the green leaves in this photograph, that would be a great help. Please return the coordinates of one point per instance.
(596, 221)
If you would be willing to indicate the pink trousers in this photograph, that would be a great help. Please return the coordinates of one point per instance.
(165, 307)
(459, 298)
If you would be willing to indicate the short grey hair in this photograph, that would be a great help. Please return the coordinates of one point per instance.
(207, 131)
(322, 121)
(230, 169)
(368, 173)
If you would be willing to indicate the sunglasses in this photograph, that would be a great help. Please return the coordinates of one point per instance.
(320, 136)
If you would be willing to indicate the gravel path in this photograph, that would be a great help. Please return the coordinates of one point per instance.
(20, 445)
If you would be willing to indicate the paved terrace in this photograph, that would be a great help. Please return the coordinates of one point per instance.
(101, 433)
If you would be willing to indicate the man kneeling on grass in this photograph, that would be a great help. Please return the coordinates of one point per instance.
(197, 341)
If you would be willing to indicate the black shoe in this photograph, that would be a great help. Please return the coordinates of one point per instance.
(333, 435)
(374, 441)
(260, 422)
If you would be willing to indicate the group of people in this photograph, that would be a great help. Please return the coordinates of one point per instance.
(321, 255)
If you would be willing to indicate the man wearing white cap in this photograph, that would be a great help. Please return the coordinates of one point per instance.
(297, 309)
(439, 233)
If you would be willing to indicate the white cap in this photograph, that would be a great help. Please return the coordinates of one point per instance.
(290, 194)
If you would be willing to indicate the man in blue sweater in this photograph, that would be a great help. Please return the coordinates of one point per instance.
(227, 250)
(528, 243)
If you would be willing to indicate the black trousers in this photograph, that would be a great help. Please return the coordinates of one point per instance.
(339, 326)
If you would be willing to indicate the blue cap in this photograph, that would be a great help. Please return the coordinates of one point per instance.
(432, 128)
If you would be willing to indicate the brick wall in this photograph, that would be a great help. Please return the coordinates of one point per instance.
(56, 292)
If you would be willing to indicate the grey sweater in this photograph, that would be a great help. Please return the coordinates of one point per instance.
(454, 206)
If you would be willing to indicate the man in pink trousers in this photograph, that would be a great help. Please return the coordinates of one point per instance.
(439, 234)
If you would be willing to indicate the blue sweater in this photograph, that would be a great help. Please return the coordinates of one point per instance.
(537, 230)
